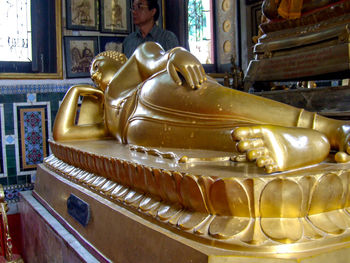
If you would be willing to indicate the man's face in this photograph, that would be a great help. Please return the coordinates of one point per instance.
(141, 13)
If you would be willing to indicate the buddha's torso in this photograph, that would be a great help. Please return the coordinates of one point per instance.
(160, 113)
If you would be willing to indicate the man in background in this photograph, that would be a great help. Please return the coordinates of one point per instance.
(145, 14)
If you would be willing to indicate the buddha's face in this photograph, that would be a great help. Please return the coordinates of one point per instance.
(102, 71)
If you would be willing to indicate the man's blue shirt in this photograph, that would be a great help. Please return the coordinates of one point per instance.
(165, 38)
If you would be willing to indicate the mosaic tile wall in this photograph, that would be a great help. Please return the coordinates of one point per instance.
(27, 113)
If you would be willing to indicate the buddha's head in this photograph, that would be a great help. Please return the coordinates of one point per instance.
(104, 66)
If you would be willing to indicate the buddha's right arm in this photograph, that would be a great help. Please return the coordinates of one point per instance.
(65, 128)
(148, 59)
(151, 58)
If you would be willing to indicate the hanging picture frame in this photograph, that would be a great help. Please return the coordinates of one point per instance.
(111, 43)
(79, 52)
(82, 15)
(115, 16)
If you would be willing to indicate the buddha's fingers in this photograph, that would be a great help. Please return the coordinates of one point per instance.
(203, 73)
(342, 157)
(173, 73)
(200, 76)
(246, 145)
(242, 133)
(191, 77)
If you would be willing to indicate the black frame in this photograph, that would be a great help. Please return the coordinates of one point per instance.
(126, 18)
(82, 64)
(81, 26)
(103, 40)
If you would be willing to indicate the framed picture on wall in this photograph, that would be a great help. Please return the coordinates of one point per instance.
(79, 52)
(115, 16)
(82, 15)
(111, 43)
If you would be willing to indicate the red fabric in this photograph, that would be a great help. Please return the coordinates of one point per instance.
(14, 222)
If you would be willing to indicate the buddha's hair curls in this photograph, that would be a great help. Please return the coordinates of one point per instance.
(117, 56)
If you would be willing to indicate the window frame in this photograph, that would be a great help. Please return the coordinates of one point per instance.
(209, 68)
(212, 31)
(58, 74)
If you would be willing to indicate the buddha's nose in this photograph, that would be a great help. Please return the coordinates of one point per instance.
(96, 76)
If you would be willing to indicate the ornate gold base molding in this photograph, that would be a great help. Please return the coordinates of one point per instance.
(307, 209)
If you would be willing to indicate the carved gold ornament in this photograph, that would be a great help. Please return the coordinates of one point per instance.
(227, 46)
(227, 26)
(226, 5)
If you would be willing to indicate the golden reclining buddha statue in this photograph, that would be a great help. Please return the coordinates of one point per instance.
(159, 142)
(162, 99)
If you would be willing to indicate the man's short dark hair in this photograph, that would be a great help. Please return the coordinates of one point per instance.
(154, 4)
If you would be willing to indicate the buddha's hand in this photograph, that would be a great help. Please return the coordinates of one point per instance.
(91, 91)
(343, 140)
(182, 63)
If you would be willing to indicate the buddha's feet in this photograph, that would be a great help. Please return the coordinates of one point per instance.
(278, 148)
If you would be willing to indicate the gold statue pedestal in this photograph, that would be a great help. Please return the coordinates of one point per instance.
(305, 48)
(145, 205)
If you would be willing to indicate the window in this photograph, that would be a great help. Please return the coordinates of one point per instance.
(16, 40)
(30, 47)
(200, 30)
(197, 30)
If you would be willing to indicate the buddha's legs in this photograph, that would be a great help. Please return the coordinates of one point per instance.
(172, 116)
(214, 105)
(276, 148)
(152, 133)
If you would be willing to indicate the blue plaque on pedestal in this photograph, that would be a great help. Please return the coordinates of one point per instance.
(78, 209)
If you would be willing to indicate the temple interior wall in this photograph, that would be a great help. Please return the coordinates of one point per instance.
(27, 113)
